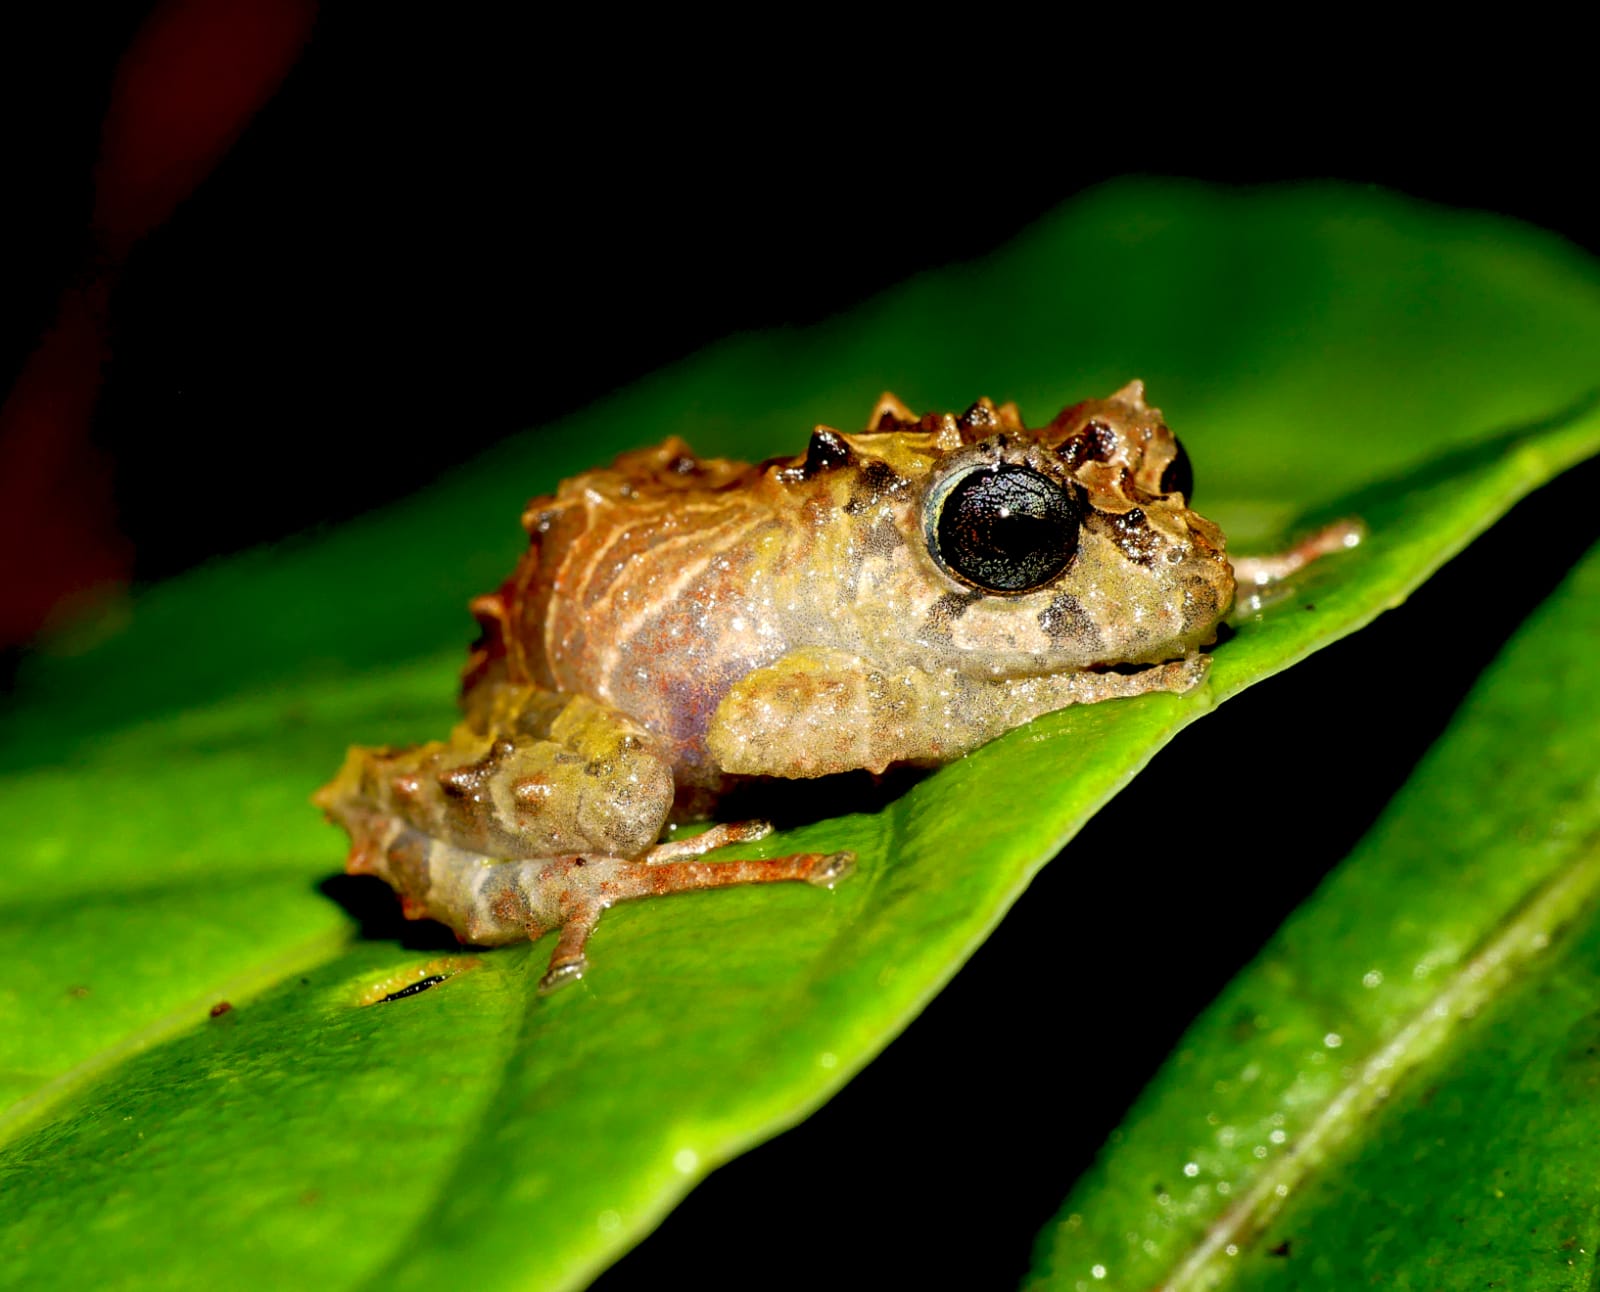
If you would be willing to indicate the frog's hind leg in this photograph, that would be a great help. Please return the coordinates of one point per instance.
(530, 773)
(599, 883)
(490, 903)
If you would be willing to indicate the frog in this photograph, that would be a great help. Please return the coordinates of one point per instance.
(678, 626)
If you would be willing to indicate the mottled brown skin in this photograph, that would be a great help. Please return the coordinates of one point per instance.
(679, 624)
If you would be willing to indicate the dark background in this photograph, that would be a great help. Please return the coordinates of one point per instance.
(435, 235)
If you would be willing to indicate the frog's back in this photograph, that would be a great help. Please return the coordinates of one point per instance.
(630, 591)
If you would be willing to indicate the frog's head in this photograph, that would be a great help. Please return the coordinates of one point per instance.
(1017, 552)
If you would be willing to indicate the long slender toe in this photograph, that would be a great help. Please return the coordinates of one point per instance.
(831, 869)
(562, 972)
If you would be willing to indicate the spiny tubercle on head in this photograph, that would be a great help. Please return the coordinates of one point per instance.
(829, 450)
(978, 422)
(826, 451)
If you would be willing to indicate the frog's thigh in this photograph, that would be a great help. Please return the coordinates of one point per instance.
(533, 775)
(814, 712)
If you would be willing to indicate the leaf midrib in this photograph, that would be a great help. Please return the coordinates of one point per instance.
(1502, 956)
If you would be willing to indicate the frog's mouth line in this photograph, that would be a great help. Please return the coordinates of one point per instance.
(1124, 669)
(1127, 670)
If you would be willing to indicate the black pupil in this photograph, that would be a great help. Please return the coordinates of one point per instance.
(1007, 530)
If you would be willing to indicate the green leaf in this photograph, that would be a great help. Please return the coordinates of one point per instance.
(1399, 1091)
(1320, 351)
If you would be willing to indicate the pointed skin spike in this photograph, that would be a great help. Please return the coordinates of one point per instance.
(979, 421)
(488, 608)
(889, 409)
(1010, 416)
(492, 616)
(1132, 393)
(827, 450)
(982, 409)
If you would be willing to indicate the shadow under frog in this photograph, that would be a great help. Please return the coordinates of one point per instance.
(681, 630)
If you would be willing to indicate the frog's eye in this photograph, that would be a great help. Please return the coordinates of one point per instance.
(1179, 475)
(1004, 529)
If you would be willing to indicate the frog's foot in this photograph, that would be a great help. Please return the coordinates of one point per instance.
(1253, 572)
(614, 880)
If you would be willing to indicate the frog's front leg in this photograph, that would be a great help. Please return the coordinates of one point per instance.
(1253, 572)
(538, 813)
(819, 710)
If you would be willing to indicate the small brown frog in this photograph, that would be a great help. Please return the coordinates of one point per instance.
(897, 596)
